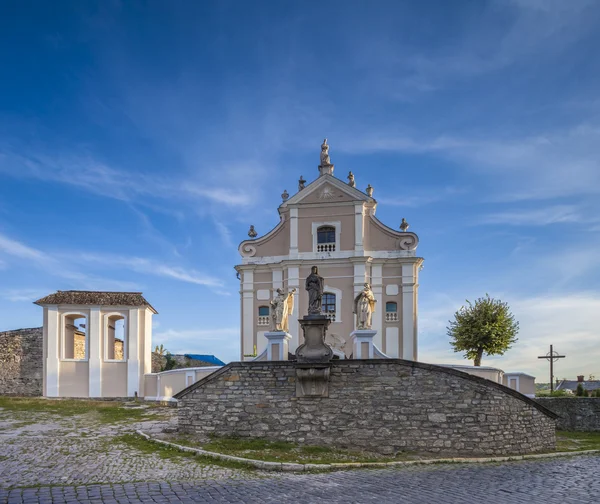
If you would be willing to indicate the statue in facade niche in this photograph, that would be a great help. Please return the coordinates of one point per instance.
(325, 161)
(282, 307)
(315, 285)
(364, 306)
(351, 182)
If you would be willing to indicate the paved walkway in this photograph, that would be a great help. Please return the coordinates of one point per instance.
(560, 481)
(49, 459)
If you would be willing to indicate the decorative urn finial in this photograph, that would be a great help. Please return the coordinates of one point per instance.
(351, 181)
(369, 191)
(252, 233)
(301, 183)
(285, 195)
(404, 225)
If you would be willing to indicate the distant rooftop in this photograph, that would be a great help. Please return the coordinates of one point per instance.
(211, 359)
(102, 298)
(572, 384)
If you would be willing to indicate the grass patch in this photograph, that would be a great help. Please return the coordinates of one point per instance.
(166, 452)
(280, 451)
(576, 441)
(104, 411)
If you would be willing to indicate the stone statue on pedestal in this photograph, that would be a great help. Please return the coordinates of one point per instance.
(364, 306)
(325, 161)
(282, 307)
(351, 181)
(314, 285)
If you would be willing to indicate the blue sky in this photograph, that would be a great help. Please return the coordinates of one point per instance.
(138, 141)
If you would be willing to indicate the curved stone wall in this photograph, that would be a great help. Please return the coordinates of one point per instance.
(383, 406)
(575, 413)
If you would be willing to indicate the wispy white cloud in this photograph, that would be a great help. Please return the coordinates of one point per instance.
(22, 295)
(549, 164)
(557, 214)
(567, 321)
(147, 266)
(20, 250)
(61, 264)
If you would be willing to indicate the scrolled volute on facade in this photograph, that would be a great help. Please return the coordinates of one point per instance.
(408, 241)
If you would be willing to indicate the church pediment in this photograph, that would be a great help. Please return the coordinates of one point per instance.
(327, 189)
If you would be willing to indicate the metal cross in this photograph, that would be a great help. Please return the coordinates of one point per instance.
(551, 356)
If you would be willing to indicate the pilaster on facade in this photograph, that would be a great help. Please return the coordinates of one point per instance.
(247, 335)
(293, 232)
(133, 356)
(52, 358)
(377, 288)
(359, 228)
(409, 350)
(95, 352)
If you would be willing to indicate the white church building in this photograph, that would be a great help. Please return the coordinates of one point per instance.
(331, 224)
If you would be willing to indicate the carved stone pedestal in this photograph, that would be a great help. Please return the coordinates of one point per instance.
(314, 348)
(313, 358)
(312, 380)
(362, 343)
(278, 345)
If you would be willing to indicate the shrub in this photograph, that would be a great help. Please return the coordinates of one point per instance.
(580, 391)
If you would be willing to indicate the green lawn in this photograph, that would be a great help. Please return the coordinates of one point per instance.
(102, 411)
(576, 441)
(280, 451)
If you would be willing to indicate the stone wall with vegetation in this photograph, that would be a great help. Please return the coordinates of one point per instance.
(21, 362)
(575, 413)
(385, 406)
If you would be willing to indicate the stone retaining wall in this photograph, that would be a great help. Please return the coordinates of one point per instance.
(21, 362)
(575, 413)
(383, 406)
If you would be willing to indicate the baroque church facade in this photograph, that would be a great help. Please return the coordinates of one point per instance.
(331, 224)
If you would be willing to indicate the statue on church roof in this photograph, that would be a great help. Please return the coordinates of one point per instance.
(285, 196)
(369, 191)
(325, 161)
(282, 307)
(252, 232)
(351, 181)
(301, 183)
(404, 225)
(364, 307)
(315, 285)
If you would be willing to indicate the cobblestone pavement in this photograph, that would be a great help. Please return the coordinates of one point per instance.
(46, 458)
(46, 449)
(559, 481)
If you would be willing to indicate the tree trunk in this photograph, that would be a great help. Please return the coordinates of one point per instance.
(478, 357)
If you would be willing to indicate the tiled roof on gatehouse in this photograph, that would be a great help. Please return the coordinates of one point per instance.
(102, 298)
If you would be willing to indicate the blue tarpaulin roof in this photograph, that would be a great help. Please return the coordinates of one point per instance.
(211, 359)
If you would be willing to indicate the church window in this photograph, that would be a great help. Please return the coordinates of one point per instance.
(75, 337)
(263, 316)
(115, 330)
(328, 305)
(391, 311)
(326, 239)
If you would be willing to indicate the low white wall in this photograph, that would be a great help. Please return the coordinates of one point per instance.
(163, 386)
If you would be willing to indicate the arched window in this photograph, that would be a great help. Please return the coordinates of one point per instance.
(328, 305)
(326, 239)
(263, 315)
(391, 311)
(75, 337)
(116, 337)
